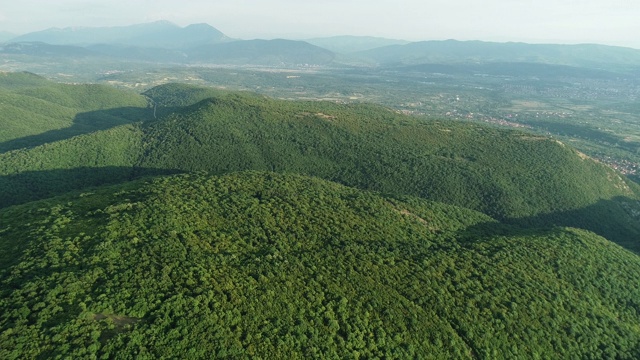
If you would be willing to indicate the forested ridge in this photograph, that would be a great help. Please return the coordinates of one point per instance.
(258, 264)
(515, 177)
(201, 223)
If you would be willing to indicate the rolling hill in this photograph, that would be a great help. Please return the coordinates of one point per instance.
(350, 44)
(41, 49)
(36, 111)
(509, 69)
(262, 52)
(242, 52)
(452, 51)
(139, 53)
(514, 177)
(258, 264)
(195, 222)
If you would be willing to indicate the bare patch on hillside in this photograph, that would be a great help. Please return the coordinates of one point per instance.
(320, 115)
(408, 213)
(583, 156)
(119, 321)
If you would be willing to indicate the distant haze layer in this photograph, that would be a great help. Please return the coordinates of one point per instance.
(613, 22)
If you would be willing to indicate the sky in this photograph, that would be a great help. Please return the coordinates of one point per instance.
(611, 22)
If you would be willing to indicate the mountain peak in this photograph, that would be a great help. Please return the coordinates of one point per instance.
(203, 29)
(199, 26)
(163, 22)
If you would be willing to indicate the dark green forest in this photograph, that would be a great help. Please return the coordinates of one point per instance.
(519, 178)
(265, 265)
(191, 222)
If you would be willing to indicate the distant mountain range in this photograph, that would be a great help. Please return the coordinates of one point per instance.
(165, 42)
(246, 52)
(44, 49)
(160, 34)
(267, 52)
(453, 51)
(351, 44)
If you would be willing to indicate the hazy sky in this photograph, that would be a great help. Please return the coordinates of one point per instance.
(614, 22)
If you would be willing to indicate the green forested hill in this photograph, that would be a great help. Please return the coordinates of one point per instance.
(524, 179)
(505, 174)
(34, 111)
(259, 264)
(103, 157)
(512, 176)
(22, 80)
(174, 95)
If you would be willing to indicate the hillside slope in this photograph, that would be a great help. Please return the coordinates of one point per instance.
(35, 111)
(266, 265)
(515, 177)
(512, 176)
(262, 52)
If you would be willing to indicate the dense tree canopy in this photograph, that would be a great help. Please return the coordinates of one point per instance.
(199, 223)
(516, 177)
(266, 265)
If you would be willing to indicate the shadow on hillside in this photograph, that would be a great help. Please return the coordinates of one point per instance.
(38, 185)
(624, 233)
(83, 123)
